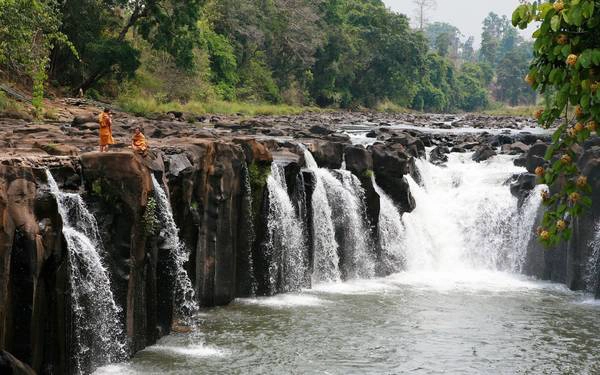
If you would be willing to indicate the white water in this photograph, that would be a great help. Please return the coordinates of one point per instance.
(339, 226)
(325, 258)
(592, 270)
(185, 300)
(391, 234)
(97, 333)
(466, 217)
(287, 244)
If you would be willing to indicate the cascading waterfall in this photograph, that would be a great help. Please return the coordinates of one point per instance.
(592, 271)
(391, 235)
(339, 223)
(97, 333)
(466, 217)
(287, 245)
(185, 300)
(326, 259)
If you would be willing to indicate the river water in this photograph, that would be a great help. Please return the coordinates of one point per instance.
(455, 305)
(418, 323)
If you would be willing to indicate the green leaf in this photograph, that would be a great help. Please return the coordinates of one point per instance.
(555, 23)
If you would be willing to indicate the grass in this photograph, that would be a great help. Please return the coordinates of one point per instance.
(148, 106)
(504, 110)
(390, 107)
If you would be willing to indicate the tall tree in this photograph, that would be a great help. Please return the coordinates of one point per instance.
(422, 9)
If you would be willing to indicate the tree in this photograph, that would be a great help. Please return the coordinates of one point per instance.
(100, 27)
(510, 87)
(566, 62)
(449, 38)
(422, 7)
(468, 51)
(28, 32)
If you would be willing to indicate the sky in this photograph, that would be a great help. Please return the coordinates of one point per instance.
(467, 15)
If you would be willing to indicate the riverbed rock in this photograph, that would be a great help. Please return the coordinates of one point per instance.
(483, 153)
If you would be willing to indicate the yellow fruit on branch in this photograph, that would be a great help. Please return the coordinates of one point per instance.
(561, 225)
(571, 132)
(539, 171)
(538, 114)
(572, 60)
(566, 159)
(592, 126)
(579, 127)
(582, 181)
(545, 195)
(529, 79)
(559, 6)
(545, 235)
(579, 112)
(574, 197)
(562, 39)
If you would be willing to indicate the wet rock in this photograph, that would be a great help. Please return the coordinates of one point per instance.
(9, 365)
(389, 167)
(439, 155)
(360, 162)
(522, 185)
(328, 154)
(535, 157)
(483, 153)
(320, 130)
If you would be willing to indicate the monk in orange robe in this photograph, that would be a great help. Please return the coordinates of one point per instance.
(138, 143)
(106, 137)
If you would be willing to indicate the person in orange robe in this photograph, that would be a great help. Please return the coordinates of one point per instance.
(106, 137)
(138, 143)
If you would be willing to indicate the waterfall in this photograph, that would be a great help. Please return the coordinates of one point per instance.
(97, 333)
(325, 258)
(250, 234)
(185, 301)
(466, 217)
(341, 241)
(287, 245)
(390, 235)
(592, 270)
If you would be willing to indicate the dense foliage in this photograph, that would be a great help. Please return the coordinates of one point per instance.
(566, 65)
(341, 53)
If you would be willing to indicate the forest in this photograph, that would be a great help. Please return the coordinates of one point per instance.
(347, 54)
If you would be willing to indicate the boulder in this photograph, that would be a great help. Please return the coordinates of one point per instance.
(328, 154)
(389, 167)
(535, 157)
(439, 155)
(483, 153)
(320, 130)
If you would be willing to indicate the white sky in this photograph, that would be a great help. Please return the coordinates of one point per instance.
(467, 15)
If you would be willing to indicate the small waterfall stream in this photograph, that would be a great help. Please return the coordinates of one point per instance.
(342, 246)
(391, 235)
(185, 301)
(592, 269)
(96, 326)
(287, 243)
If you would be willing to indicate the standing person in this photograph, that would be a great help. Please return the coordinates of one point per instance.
(106, 137)
(138, 142)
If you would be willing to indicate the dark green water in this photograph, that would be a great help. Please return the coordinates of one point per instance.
(465, 322)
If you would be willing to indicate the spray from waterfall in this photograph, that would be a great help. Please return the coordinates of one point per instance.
(287, 244)
(97, 333)
(466, 218)
(185, 301)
